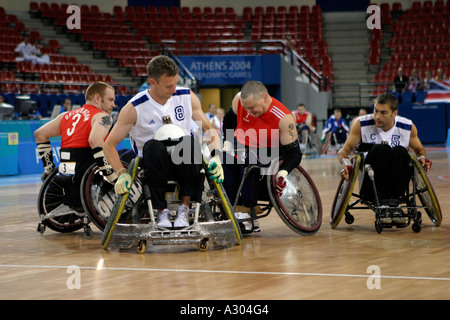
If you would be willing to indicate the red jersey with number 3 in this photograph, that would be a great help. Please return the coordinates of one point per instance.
(260, 131)
(76, 126)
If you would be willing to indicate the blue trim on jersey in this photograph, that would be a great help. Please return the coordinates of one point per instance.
(365, 123)
(140, 100)
(402, 125)
(179, 92)
(133, 146)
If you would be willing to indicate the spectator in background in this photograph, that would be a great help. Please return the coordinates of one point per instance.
(217, 120)
(29, 52)
(400, 81)
(426, 80)
(439, 75)
(67, 105)
(415, 84)
(211, 111)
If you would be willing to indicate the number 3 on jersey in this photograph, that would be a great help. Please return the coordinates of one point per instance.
(76, 118)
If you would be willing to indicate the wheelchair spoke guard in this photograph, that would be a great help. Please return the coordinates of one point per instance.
(300, 206)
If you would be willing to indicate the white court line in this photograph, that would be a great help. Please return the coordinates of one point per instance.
(227, 272)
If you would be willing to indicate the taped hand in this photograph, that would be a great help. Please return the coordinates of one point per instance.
(280, 182)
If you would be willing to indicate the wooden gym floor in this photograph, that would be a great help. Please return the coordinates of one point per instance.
(349, 262)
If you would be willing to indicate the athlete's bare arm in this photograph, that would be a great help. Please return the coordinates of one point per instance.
(288, 131)
(350, 144)
(49, 130)
(126, 120)
(352, 140)
(419, 150)
(101, 124)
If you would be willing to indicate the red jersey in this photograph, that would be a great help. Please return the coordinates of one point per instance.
(301, 118)
(76, 126)
(260, 131)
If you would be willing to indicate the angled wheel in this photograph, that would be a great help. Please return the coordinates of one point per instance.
(98, 196)
(50, 197)
(344, 193)
(426, 194)
(300, 206)
(119, 206)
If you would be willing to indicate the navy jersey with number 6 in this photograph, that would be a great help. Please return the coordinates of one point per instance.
(150, 114)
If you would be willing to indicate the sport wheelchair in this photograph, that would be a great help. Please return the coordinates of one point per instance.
(299, 207)
(313, 146)
(134, 223)
(97, 196)
(391, 212)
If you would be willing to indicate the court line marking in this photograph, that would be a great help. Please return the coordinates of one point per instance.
(228, 272)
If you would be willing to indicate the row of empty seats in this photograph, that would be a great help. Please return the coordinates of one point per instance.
(420, 41)
(64, 74)
(132, 32)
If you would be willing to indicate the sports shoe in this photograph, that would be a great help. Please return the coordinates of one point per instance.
(163, 219)
(247, 226)
(182, 219)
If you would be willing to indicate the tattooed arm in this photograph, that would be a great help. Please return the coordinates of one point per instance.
(288, 131)
(101, 124)
(289, 147)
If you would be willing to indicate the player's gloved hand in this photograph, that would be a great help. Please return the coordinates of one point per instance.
(215, 169)
(346, 168)
(280, 182)
(123, 184)
(426, 164)
(45, 175)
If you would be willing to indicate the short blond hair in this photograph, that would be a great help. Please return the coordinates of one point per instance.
(98, 87)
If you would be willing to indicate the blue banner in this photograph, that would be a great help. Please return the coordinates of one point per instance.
(234, 70)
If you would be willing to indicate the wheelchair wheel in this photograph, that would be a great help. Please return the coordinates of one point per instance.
(300, 206)
(50, 197)
(426, 194)
(119, 206)
(98, 196)
(344, 193)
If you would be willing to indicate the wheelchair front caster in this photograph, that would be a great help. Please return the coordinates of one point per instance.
(203, 245)
(88, 232)
(378, 226)
(142, 246)
(417, 227)
(41, 228)
(349, 218)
